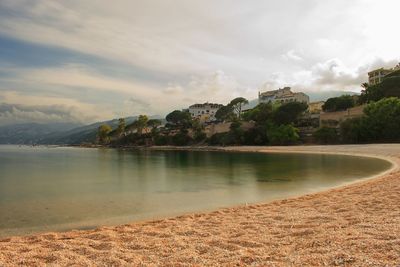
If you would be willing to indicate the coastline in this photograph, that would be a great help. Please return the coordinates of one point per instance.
(312, 229)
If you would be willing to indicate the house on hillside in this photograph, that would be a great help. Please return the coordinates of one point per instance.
(315, 107)
(204, 112)
(282, 95)
(376, 76)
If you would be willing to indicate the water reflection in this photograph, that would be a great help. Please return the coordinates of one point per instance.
(63, 188)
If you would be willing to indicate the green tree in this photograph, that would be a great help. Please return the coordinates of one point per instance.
(354, 131)
(288, 113)
(380, 123)
(338, 103)
(224, 113)
(153, 124)
(237, 105)
(178, 118)
(260, 114)
(326, 135)
(389, 87)
(383, 119)
(121, 127)
(102, 133)
(142, 123)
(282, 134)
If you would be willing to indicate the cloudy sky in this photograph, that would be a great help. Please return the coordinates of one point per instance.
(90, 60)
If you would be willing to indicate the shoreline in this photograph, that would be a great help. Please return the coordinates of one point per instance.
(131, 232)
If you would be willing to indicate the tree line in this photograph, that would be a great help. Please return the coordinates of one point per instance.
(381, 116)
(273, 124)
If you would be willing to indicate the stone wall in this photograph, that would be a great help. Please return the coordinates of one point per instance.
(223, 127)
(333, 119)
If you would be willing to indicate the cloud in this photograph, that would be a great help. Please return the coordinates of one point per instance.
(150, 56)
(331, 74)
(136, 107)
(16, 113)
(291, 55)
(28, 108)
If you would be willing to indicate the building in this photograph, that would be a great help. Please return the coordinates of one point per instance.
(315, 107)
(376, 76)
(282, 95)
(204, 112)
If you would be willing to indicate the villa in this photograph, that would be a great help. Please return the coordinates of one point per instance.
(204, 112)
(376, 76)
(282, 95)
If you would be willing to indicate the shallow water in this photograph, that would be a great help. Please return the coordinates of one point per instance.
(51, 189)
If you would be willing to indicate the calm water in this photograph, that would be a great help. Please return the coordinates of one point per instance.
(44, 189)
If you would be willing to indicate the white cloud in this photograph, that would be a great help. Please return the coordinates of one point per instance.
(291, 55)
(208, 50)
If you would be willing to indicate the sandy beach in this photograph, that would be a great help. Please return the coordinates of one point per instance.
(353, 225)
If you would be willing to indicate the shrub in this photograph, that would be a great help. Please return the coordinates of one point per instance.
(326, 135)
(199, 136)
(282, 134)
(161, 140)
(181, 139)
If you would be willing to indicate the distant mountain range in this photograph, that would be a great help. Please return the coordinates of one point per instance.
(324, 95)
(55, 133)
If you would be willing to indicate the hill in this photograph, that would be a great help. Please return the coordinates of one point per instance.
(55, 133)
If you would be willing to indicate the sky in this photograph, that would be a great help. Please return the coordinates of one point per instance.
(84, 61)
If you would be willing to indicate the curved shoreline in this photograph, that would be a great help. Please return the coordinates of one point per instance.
(353, 224)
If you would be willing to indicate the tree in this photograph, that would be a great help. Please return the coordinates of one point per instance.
(389, 87)
(237, 105)
(102, 133)
(383, 120)
(260, 114)
(338, 103)
(121, 127)
(282, 134)
(153, 124)
(380, 123)
(289, 113)
(326, 135)
(224, 113)
(179, 118)
(142, 123)
(354, 131)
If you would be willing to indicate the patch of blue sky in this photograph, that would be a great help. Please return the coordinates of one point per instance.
(16, 54)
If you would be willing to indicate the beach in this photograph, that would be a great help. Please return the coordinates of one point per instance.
(356, 224)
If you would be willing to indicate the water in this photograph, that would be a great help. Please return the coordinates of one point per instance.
(51, 189)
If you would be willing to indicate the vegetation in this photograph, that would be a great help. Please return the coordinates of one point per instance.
(283, 134)
(338, 103)
(232, 111)
(380, 123)
(103, 133)
(389, 87)
(326, 135)
(289, 113)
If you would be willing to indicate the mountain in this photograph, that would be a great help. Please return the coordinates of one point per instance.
(83, 134)
(324, 95)
(31, 133)
(55, 133)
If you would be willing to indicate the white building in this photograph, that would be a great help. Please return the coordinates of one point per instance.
(204, 112)
(282, 95)
(376, 76)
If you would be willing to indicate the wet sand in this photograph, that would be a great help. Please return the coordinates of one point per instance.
(354, 225)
